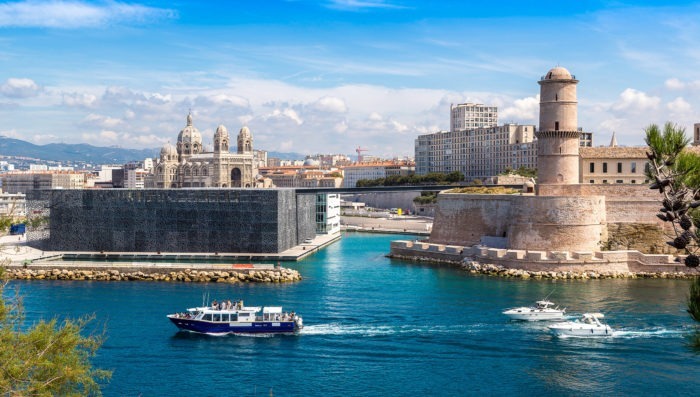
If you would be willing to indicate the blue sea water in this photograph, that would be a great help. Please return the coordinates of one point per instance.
(379, 327)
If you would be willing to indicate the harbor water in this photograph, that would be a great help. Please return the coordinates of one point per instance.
(380, 327)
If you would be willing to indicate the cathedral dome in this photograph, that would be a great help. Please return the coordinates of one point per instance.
(221, 130)
(558, 73)
(168, 150)
(189, 141)
(245, 132)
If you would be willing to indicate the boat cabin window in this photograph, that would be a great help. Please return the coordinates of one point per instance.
(217, 317)
(207, 317)
(245, 316)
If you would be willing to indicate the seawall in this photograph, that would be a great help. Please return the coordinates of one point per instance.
(628, 262)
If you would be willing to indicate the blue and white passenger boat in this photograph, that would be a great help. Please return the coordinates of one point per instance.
(236, 318)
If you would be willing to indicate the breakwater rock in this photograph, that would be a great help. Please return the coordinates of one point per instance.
(278, 275)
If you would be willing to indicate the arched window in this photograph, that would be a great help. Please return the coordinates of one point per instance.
(236, 177)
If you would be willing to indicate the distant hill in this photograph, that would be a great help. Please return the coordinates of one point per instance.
(73, 152)
(81, 152)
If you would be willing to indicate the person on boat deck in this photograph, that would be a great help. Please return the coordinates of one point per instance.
(229, 305)
(215, 305)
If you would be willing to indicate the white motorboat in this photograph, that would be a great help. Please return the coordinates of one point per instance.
(588, 325)
(542, 310)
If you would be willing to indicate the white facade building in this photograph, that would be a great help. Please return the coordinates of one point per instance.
(327, 213)
(469, 116)
(135, 178)
(353, 173)
(477, 153)
(13, 205)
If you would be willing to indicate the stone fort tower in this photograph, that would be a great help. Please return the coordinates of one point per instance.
(558, 134)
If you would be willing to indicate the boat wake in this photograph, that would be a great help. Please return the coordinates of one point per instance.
(650, 333)
(221, 334)
(380, 330)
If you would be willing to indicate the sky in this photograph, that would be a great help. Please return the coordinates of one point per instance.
(330, 76)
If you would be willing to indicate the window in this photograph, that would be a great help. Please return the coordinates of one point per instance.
(556, 126)
(605, 181)
(633, 168)
(592, 168)
(605, 167)
(592, 181)
(619, 168)
(633, 181)
(619, 181)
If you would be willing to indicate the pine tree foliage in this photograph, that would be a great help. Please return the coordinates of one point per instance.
(48, 358)
(675, 173)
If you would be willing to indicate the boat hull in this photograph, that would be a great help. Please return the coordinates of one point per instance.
(256, 327)
(534, 315)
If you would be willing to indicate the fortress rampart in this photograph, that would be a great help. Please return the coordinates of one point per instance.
(520, 222)
(579, 262)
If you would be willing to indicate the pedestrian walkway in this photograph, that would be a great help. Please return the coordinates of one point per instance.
(14, 251)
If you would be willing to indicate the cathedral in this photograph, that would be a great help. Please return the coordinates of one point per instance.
(188, 165)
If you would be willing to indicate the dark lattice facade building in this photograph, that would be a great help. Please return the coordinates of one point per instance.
(172, 220)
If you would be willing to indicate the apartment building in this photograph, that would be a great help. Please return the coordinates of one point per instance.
(24, 182)
(376, 170)
(478, 153)
(470, 116)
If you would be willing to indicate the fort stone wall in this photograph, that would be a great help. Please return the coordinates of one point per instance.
(521, 222)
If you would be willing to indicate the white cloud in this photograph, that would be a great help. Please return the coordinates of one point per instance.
(286, 113)
(674, 84)
(245, 119)
(330, 105)
(75, 99)
(44, 138)
(355, 5)
(631, 99)
(110, 136)
(286, 146)
(399, 127)
(340, 127)
(374, 116)
(522, 109)
(20, 88)
(11, 134)
(101, 121)
(76, 14)
(218, 99)
(679, 105)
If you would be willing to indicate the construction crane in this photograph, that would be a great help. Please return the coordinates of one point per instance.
(359, 151)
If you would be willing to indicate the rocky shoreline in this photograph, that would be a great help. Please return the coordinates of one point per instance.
(278, 275)
(474, 267)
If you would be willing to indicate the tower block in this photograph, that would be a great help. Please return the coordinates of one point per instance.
(558, 134)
